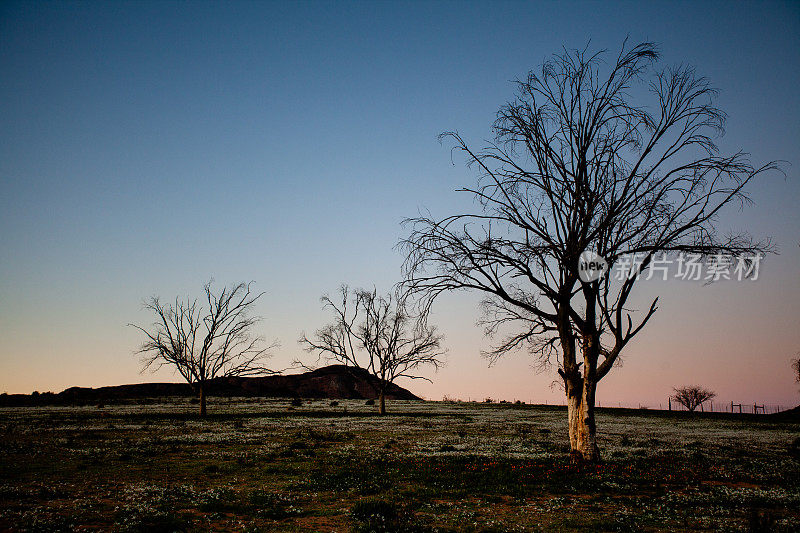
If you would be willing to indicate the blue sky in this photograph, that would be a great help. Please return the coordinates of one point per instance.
(147, 147)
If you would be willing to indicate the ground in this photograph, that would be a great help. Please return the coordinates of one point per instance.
(266, 465)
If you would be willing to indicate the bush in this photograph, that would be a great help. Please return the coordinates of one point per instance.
(370, 402)
(379, 516)
(273, 505)
(297, 402)
(376, 516)
(794, 448)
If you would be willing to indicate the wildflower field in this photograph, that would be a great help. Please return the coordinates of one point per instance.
(268, 465)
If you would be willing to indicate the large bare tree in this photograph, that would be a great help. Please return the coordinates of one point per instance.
(206, 340)
(579, 165)
(378, 333)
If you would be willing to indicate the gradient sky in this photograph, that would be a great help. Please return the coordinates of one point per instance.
(146, 147)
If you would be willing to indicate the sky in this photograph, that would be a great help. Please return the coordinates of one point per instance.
(146, 148)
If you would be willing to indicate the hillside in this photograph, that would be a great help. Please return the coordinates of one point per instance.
(335, 382)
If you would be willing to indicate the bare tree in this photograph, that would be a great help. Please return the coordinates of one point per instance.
(577, 166)
(379, 334)
(207, 340)
(692, 396)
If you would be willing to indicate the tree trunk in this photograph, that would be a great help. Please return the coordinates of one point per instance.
(382, 402)
(582, 430)
(202, 401)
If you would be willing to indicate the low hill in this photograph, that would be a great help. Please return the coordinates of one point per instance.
(335, 382)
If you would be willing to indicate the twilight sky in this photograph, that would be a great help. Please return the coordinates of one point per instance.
(147, 147)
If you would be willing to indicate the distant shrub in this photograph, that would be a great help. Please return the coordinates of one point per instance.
(141, 518)
(759, 521)
(218, 500)
(296, 402)
(794, 448)
(334, 403)
(376, 516)
(274, 506)
(370, 402)
(211, 469)
(488, 400)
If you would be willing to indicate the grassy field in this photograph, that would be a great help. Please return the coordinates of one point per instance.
(265, 465)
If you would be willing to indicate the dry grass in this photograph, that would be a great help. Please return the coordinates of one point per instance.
(429, 466)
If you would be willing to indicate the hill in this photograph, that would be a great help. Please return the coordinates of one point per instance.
(335, 382)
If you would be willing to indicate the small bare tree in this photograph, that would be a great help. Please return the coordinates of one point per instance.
(579, 166)
(205, 341)
(379, 334)
(692, 396)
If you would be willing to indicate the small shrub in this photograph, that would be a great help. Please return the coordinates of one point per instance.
(218, 500)
(296, 402)
(760, 521)
(334, 403)
(370, 402)
(794, 449)
(376, 516)
(272, 505)
(144, 519)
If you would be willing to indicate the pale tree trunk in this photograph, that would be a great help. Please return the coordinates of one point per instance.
(582, 429)
(382, 402)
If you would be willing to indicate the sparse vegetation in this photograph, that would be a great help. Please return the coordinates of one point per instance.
(428, 466)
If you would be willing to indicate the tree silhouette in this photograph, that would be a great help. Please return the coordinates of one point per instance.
(377, 333)
(692, 396)
(578, 166)
(205, 341)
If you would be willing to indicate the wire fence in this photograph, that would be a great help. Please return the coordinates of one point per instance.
(668, 405)
(732, 407)
(711, 407)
